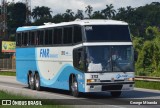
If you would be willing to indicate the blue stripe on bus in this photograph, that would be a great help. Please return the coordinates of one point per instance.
(55, 78)
(26, 28)
(61, 79)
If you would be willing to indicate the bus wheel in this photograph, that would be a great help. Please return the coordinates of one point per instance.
(74, 87)
(116, 93)
(31, 81)
(37, 82)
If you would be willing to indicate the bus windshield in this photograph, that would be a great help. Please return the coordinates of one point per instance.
(108, 33)
(109, 59)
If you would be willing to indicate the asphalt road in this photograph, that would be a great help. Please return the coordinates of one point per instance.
(94, 100)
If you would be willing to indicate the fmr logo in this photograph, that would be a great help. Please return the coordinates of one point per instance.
(121, 76)
(45, 53)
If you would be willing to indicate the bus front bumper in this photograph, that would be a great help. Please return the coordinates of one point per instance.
(109, 86)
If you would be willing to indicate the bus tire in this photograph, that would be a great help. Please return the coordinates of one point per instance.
(74, 87)
(37, 82)
(31, 81)
(116, 93)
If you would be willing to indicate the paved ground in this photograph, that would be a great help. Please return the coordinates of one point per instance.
(100, 100)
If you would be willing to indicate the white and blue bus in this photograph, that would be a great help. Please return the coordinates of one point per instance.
(81, 56)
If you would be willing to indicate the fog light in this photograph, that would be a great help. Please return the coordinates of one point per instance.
(130, 79)
(90, 80)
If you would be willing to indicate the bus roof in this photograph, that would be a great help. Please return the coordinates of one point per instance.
(76, 22)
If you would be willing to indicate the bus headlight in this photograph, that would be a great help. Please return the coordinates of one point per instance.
(93, 80)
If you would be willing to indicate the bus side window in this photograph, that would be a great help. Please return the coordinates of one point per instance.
(36, 38)
(22, 40)
(48, 37)
(31, 38)
(40, 37)
(50, 33)
(18, 39)
(67, 35)
(77, 34)
(78, 58)
(25, 38)
(57, 36)
(29, 42)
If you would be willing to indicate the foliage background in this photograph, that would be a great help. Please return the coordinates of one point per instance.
(144, 23)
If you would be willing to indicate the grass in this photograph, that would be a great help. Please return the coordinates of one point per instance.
(6, 95)
(147, 85)
(7, 73)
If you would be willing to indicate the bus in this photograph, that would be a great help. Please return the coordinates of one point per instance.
(81, 56)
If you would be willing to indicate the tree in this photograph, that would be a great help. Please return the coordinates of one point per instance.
(97, 15)
(16, 16)
(152, 32)
(41, 12)
(79, 14)
(89, 10)
(149, 52)
(109, 11)
(36, 12)
(121, 15)
(138, 43)
(145, 56)
(68, 16)
(145, 16)
(156, 57)
(58, 18)
(130, 15)
(41, 21)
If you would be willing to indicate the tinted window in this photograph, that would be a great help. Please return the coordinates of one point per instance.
(18, 39)
(67, 35)
(48, 37)
(40, 37)
(31, 38)
(22, 39)
(50, 32)
(25, 38)
(57, 36)
(107, 33)
(78, 59)
(77, 34)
